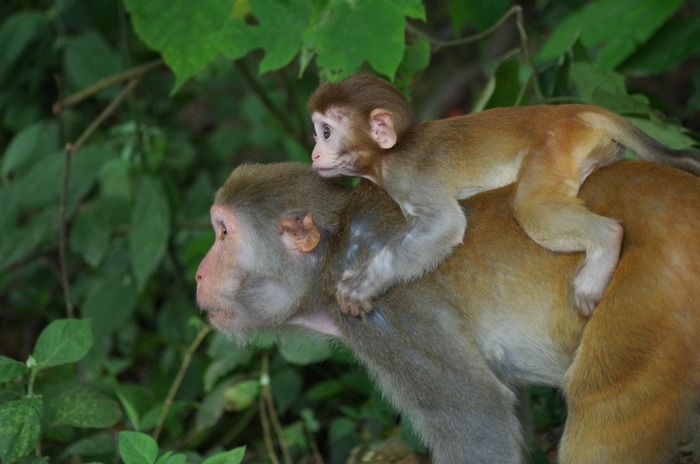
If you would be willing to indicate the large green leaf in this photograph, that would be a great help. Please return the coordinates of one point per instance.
(20, 427)
(350, 33)
(181, 30)
(278, 32)
(150, 228)
(83, 407)
(615, 28)
(63, 341)
(674, 43)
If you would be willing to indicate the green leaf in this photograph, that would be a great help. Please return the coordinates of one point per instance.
(242, 395)
(63, 341)
(16, 33)
(676, 42)
(235, 456)
(668, 133)
(83, 407)
(412, 8)
(616, 29)
(109, 304)
(480, 13)
(279, 30)
(341, 46)
(181, 30)
(40, 230)
(29, 145)
(286, 387)
(89, 58)
(607, 89)
(170, 458)
(137, 448)
(150, 229)
(506, 86)
(304, 351)
(219, 367)
(41, 186)
(417, 56)
(20, 427)
(91, 230)
(11, 369)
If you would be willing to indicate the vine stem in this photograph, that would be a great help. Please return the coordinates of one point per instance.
(179, 377)
(438, 44)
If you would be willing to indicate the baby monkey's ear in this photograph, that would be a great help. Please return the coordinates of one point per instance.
(381, 124)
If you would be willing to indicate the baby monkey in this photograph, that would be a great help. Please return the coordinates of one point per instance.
(363, 126)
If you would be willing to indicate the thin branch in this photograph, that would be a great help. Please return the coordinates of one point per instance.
(267, 435)
(186, 360)
(106, 113)
(266, 394)
(129, 74)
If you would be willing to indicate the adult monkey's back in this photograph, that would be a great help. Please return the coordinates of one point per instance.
(452, 349)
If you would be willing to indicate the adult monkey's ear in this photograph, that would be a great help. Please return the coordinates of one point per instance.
(299, 235)
(381, 123)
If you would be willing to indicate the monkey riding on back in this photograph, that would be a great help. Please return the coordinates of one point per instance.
(363, 126)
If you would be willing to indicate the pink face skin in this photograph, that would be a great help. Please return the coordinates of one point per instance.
(219, 274)
(331, 156)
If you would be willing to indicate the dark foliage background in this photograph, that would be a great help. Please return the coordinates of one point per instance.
(118, 120)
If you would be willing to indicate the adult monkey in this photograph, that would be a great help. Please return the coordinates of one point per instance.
(452, 349)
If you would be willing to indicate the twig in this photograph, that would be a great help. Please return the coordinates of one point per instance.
(186, 359)
(516, 11)
(267, 436)
(107, 112)
(438, 44)
(129, 74)
(267, 395)
(314, 447)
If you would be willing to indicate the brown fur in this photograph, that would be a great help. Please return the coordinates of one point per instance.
(453, 349)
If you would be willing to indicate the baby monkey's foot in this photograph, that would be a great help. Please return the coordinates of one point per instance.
(355, 293)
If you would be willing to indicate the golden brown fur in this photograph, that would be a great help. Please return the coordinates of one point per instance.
(360, 126)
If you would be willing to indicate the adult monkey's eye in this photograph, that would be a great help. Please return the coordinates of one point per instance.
(222, 232)
(326, 132)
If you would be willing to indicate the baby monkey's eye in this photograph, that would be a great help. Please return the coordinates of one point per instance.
(326, 132)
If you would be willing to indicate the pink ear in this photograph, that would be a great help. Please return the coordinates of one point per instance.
(382, 128)
(299, 235)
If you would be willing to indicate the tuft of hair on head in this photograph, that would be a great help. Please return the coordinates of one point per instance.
(363, 93)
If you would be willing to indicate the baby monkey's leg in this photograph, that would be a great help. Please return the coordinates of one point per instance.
(546, 207)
